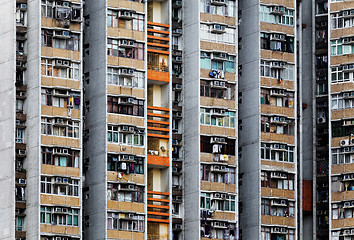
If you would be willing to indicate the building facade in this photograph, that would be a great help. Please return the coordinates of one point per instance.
(167, 119)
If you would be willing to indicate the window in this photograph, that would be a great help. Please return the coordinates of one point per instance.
(286, 73)
(342, 183)
(286, 18)
(60, 186)
(47, 8)
(54, 68)
(208, 90)
(342, 101)
(277, 152)
(125, 192)
(338, 75)
(60, 127)
(59, 216)
(214, 174)
(278, 125)
(117, 134)
(217, 202)
(225, 10)
(280, 180)
(125, 222)
(60, 157)
(70, 43)
(20, 135)
(60, 98)
(114, 49)
(343, 19)
(277, 42)
(210, 61)
(126, 106)
(19, 223)
(127, 164)
(136, 23)
(341, 210)
(272, 97)
(211, 117)
(227, 147)
(207, 34)
(342, 156)
(338, 48)
(277, 207)
(116, 77)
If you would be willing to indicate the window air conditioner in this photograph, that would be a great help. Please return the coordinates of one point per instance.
(131, 187)
(346, 232)
(344, 142)
(216, 195)
(178, 226)
(130, 100)
(179, 58)
(58, 180)
(22, 181)
(347, 204)
(57, 210)
(22, 152)
(218, 2)
(65, 180)
(23, 6)
(125, 15)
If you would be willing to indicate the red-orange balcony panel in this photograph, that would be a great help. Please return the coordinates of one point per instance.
(158, 160)
(158, 24)
(158, 220)
(158, 135)
(158, 76)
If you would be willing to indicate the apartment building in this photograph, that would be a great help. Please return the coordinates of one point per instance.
(340, 77)
(210, 141)
(268, 120)
(43, 45)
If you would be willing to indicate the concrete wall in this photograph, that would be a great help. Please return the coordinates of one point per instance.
(33, 110)
(191, 116)
(7, 118)
(249, 114)
(307, 94)
(95, 120)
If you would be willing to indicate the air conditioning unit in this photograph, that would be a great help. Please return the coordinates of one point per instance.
(178, 3)
(344, 142)
(178, 30)
(125, 128)
(58, 180)
(65, 151)
(178, 226)
(222, 168)
(217, 28)
(130, 100)
(218, 2)
(61, 63)
(131, 129)
(22, 152)
(283, 202)
(216, 195)
(276, 146)
(347, 204)
(179, 198)
(57, 238)
(22, 181)
(57, 210)
(131, 187)
(223, 196)
(216, 224)
(215, 168)
(125, 15)
(23, 6)
(131, 215)
(174, 169)
(65, 180)
(346, 232)
(178, 87)
(179, 58)
(276, 230)
(352, 231)
(321, 119)
(64, 210)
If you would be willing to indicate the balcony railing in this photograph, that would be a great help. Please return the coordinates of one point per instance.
(158, 207)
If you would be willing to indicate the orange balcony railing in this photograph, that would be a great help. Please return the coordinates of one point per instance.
(158, 122)
(158, 207)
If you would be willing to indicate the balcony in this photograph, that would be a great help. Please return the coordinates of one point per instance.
(158, 122)
(158, 51)
(158, 207)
